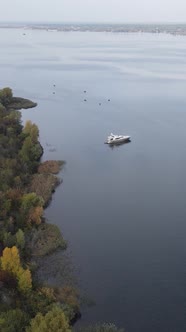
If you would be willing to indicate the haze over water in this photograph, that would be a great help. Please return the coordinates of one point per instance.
(122, 210)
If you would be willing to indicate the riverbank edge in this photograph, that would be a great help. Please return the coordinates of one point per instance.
(45, 177)
(47, 235)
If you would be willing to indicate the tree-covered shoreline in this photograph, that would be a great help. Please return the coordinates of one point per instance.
(26, 186)
(27, 302)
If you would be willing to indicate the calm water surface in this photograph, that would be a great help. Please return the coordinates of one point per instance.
(122, 210)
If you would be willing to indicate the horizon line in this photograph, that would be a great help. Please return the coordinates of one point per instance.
(91, 22)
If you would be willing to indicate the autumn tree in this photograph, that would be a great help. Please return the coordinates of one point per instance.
(53, 321)
(14, 195)
(68, 295)
(10, 262)
(32, 208)
(24, 280)
(35, 215)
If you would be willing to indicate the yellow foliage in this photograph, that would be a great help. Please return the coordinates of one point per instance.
(53, 321)
(24, 280)
(48, 292)
(10, 261)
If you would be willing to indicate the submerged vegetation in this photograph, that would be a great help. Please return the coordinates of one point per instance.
(105, 327)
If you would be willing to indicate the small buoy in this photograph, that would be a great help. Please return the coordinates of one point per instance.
(108, 99)
(84, 91)
(53, 93)
(99, 104)
(54, 85)
(85, 100)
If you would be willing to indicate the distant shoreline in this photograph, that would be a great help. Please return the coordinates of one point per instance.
(173, 29)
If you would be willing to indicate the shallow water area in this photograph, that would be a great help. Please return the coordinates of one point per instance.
(121, 209)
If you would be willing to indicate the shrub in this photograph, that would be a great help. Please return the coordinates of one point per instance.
(44, 185)
(45, 239)
(50, 166)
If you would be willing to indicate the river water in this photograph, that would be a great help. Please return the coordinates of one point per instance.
(122, 210)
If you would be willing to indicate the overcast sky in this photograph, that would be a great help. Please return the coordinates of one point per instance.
(117, 11)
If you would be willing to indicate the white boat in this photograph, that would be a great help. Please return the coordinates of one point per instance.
(117, 139)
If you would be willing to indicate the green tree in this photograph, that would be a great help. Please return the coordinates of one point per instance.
(26, 151)
(8, 239)
(32, 130)
(27, 127)
(24, 280)
(34, 133)
(20, 239)
(29, 201)
(53, 321)
(2, 110)
(13, 320)
(5, 204)
(30, 152)
(6, 96)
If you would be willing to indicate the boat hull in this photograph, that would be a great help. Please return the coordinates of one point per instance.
(119, 141)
